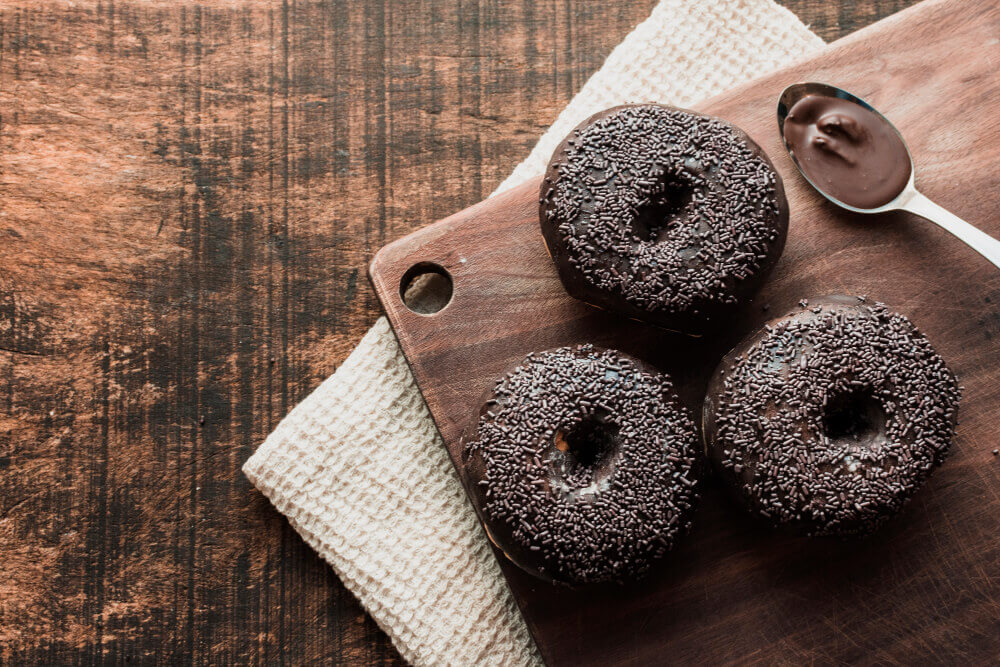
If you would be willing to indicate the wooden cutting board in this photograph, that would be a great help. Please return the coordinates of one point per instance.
(924, 589)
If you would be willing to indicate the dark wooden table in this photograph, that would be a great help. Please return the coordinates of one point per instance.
(189, 197)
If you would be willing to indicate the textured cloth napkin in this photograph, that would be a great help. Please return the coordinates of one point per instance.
(359, 468)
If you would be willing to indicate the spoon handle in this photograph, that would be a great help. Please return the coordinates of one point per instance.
(975, 238)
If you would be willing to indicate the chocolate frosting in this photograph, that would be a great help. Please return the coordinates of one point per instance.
(583, 465)
(826, 420)
(662, 215)
(847, 151)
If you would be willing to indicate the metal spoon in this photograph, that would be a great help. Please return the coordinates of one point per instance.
(909, 199)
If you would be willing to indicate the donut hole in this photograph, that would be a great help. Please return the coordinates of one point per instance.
(589, 442)
(653, 217)
(580, 457)
(854, 416)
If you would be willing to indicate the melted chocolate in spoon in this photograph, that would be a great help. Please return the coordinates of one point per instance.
(855, 157)
(847, 151)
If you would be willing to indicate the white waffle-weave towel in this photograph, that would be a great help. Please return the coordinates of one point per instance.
(358, 467)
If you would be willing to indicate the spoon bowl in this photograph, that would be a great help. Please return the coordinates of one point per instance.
(909, 198)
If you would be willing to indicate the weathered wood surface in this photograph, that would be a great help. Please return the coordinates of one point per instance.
(189, 195)
(921, 591)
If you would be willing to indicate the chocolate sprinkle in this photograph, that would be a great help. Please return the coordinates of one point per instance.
(827, 422)
(663, 214)
(575, 516)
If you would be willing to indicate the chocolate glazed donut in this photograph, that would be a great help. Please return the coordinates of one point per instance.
(828, 419)
(582, 465)
(663, 215)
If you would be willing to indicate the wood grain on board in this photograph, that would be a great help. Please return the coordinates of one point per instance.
(190, 193)
(923, 590)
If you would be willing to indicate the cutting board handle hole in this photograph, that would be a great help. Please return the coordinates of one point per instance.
(426, 288)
